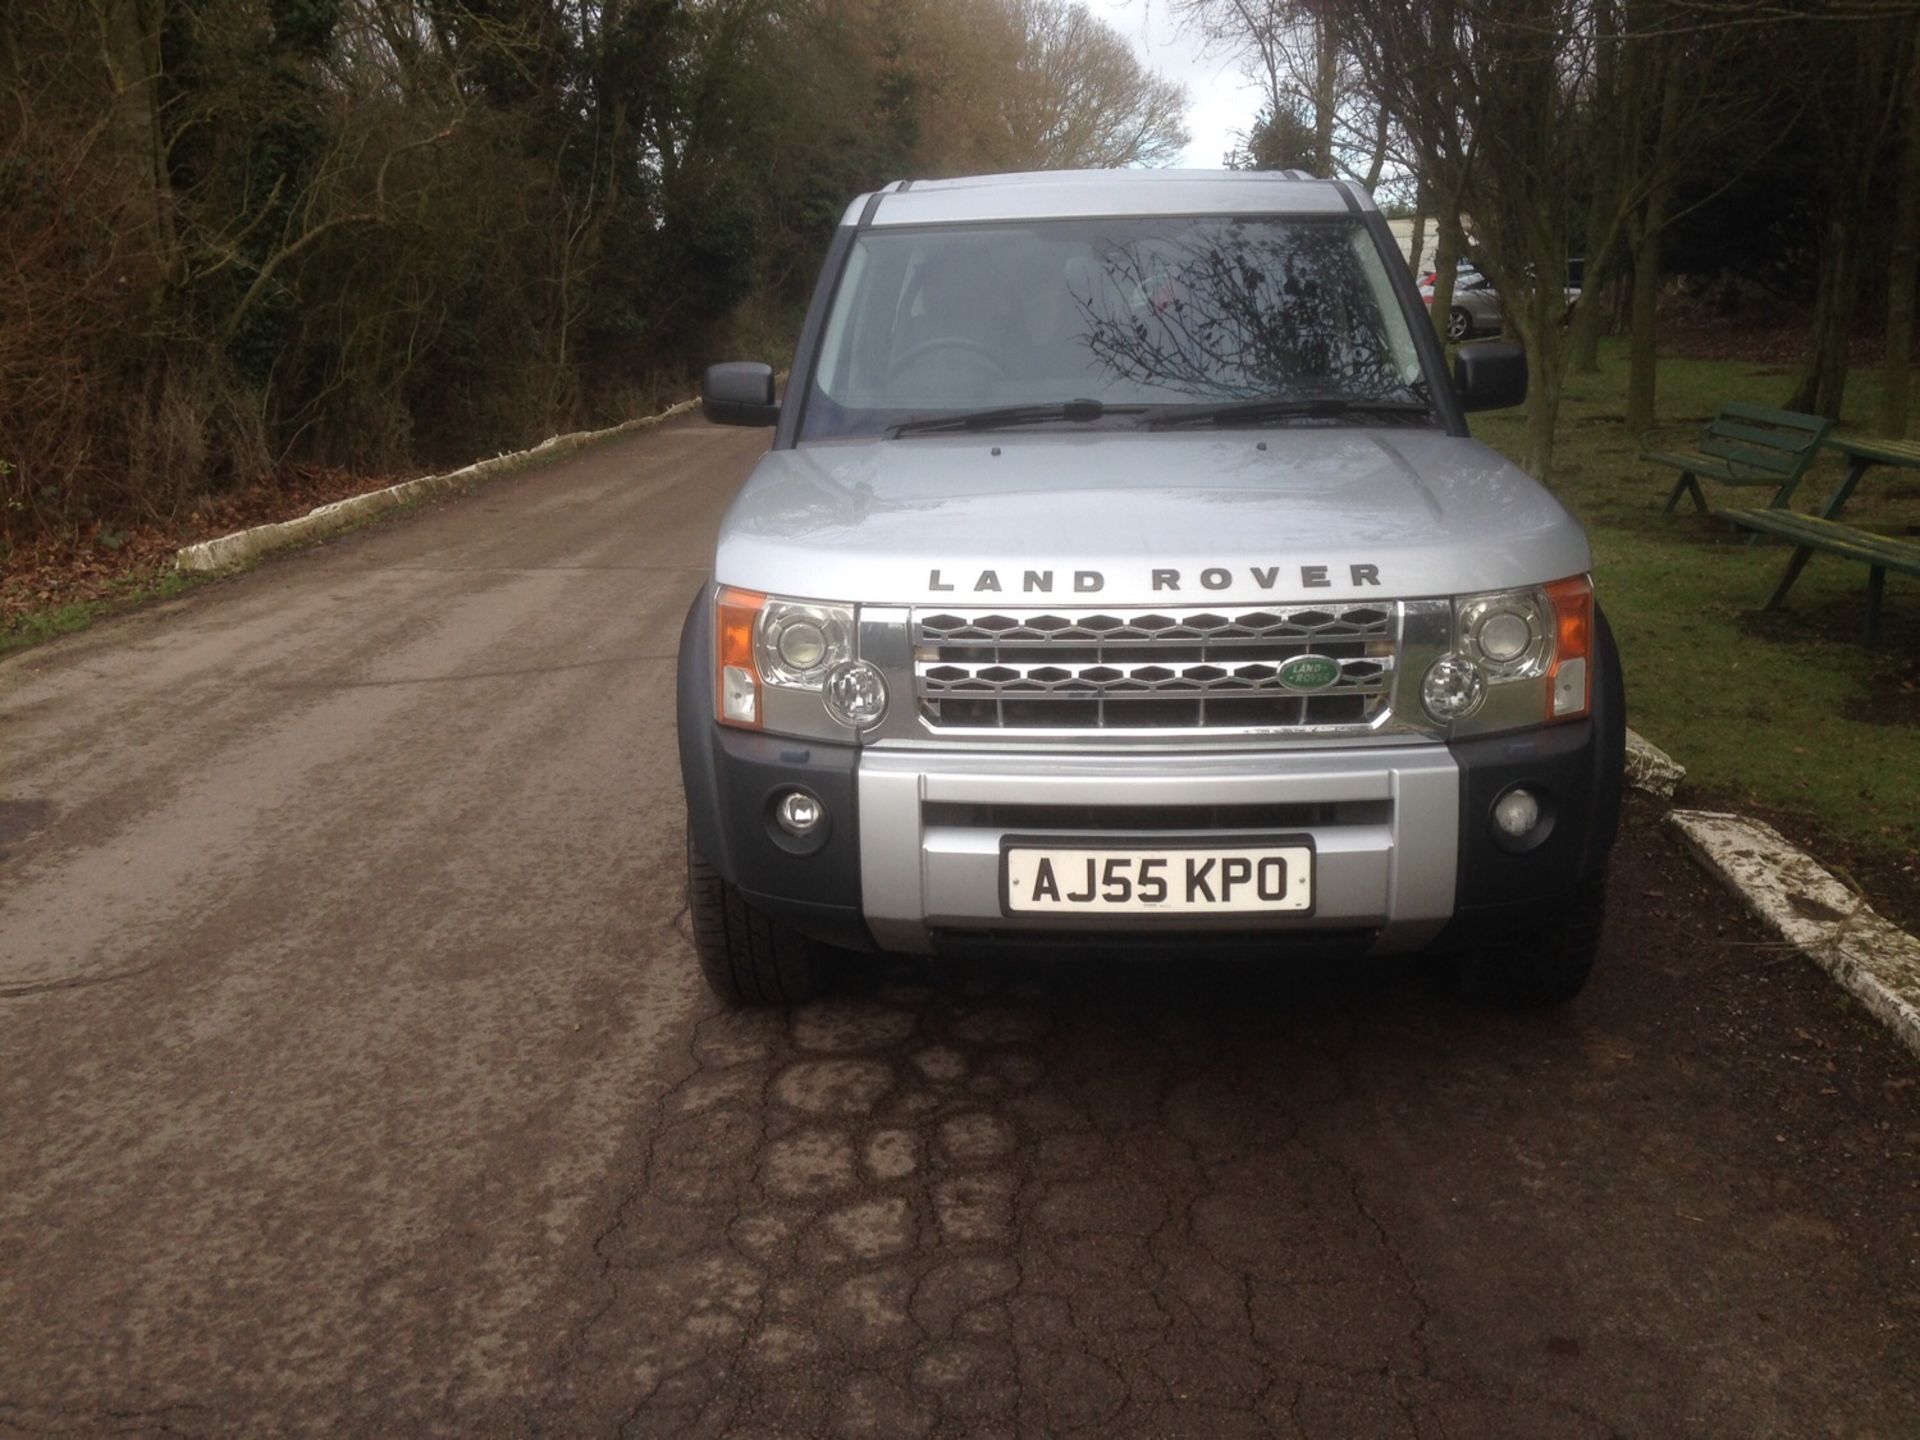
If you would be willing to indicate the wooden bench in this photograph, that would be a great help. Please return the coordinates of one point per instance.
(1746, 445)
(1808, 533)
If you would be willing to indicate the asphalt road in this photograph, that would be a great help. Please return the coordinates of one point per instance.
(355, 1078)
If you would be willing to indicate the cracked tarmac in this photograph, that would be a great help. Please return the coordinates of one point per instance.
(356, 1079)
(1121, 1198)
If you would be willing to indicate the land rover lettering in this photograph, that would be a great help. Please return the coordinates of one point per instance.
(1212, 577)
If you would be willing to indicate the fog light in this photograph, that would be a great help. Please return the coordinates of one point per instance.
(799, 813)
(1453, 689)
(1516, 813)
(856, 694)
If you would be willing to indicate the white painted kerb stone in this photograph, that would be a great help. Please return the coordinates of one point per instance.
(244, 545)
(1878, 963)
(1650, 768)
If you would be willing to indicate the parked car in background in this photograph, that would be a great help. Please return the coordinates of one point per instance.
(1476, 308)
(1476, 304)
(1464, 271)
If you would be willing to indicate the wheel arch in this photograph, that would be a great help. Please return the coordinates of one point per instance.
(693, 718)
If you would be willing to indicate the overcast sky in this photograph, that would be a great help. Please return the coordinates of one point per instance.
(1221, 102)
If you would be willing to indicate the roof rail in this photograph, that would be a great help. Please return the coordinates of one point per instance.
(1298, 175)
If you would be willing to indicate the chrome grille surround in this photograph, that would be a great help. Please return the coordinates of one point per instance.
(1165, 669)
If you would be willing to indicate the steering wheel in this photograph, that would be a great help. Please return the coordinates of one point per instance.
(953, 342)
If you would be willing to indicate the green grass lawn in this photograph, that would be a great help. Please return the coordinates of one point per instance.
(1785, 711)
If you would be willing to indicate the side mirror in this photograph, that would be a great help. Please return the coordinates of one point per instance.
(739, 392)
(1490, 376)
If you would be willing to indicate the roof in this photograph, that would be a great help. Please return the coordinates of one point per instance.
(1055, 194)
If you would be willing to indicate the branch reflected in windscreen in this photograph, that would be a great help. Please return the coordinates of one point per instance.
(1227, 310)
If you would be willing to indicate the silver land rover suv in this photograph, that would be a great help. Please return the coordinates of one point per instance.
(1122, 573)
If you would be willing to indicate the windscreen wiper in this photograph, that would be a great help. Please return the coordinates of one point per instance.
(995, 419)
(1314, 407)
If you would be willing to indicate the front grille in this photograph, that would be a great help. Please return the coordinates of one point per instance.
(1175, 669)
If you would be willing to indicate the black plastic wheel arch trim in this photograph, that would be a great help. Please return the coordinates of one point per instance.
(730, 777)
(1580, 764)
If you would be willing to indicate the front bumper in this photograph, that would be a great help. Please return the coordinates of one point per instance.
(1383, 822)
(1404, 849)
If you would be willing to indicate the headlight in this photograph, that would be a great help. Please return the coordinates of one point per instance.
(1531, 649)
(856, 695)
(1452, 689)
(798, 643)
(790, 667)
(1510, 635)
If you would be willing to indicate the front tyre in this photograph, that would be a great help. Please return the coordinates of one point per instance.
(1537, 965)
(747, 957)
(1459, 324)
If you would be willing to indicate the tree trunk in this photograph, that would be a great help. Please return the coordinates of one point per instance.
(1324, 98)
(1537, 320)
(1896, 386)
(1822, 383)
(1419, 231)
(1379, 160)
(1643, 347)
(1583, 338)
(1881, 82)
(1583, 332)
(130, 48)
(1446, 256)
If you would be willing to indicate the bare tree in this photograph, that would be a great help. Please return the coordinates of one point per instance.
(1687, 100)
(1489, 94)
(1316, 111)
(1902, 261)
(1081, 98)
(1859, 123)
(1604, 144)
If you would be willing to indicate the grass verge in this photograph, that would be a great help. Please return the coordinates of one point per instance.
(1787, 712)
(137, 589)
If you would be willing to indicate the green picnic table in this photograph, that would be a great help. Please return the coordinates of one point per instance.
(1822, 530)
(1862, 456)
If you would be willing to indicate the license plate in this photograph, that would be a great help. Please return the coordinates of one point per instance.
(1175, 880)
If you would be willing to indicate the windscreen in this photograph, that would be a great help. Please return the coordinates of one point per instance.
(1159, 312)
